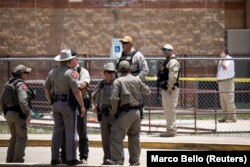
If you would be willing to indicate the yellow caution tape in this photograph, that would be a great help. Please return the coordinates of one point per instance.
(148, 78)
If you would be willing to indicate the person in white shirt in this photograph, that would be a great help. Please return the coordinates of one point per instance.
(225, 75)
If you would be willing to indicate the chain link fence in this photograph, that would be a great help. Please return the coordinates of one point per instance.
(199, 107)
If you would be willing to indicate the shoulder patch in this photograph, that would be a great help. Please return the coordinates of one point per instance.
(74, 74)
(23, 86)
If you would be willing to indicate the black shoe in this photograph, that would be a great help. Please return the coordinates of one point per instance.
(55, 162)
(110, 162)
(73, 162)
(135, 164)
(63, 161)
(227, 120)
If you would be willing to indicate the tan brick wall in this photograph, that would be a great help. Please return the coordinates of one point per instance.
(248, 14)
(44, 31)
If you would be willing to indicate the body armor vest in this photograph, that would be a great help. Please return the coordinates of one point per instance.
(128, 57)
(163, 73)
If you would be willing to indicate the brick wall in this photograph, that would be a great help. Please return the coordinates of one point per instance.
(36, 27)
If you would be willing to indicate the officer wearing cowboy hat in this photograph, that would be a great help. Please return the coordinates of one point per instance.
(61, 81)
(103, 90)
(83, 143)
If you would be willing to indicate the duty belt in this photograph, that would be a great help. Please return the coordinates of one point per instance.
(16, 108)
(60, 97)
(126, 108)
(106, 110)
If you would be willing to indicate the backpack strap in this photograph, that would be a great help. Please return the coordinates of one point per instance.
(101, 84)
(15, 82)
(123, 57)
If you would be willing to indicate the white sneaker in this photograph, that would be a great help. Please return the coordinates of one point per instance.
(168, 134)
(84, 161)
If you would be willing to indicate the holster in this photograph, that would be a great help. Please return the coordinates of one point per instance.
(99, 113)
(141, 106)
(72, 101)
(87, 102)
(106, 110)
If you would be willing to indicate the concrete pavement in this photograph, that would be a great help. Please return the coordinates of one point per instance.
(200, 142)
(38, 149)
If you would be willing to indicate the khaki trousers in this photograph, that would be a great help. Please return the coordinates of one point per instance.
(226, 89)
(169, 103)
(128, 123)
(106, 124)
(19, 136)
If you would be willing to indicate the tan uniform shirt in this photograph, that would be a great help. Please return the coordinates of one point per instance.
(23, 98)
(127, 90)
(61, 80)
(103, 93)
(174, 67)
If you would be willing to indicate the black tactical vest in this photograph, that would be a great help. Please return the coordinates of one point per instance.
(162, 76)
(128, 57)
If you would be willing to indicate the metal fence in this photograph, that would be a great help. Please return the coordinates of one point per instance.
(198, 109)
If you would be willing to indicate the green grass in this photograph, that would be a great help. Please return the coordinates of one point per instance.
(4, 129)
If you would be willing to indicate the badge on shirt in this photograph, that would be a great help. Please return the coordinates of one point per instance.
(23, 86)
(74, 74)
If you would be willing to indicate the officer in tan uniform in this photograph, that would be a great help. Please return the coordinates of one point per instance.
(83, 83)
(103, 91)
(18, 113)
(125, 97)
(62, 82)
(136, 59)
(168, 79)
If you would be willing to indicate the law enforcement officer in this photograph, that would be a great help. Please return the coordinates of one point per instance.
(125, 97)
(18, 113)
(62, 82)
(83, 83)
(225, 75)
(103, 91)
(136, 59)
(168, 79)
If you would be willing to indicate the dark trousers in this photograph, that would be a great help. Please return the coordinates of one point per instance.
(83, 139)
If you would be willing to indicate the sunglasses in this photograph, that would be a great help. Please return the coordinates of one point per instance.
(125, 43)
(110, 72)
(164, 50)
(26, 73)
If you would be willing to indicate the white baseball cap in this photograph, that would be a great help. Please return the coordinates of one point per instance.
(167, 47)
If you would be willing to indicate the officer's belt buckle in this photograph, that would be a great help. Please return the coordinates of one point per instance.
(61, 97)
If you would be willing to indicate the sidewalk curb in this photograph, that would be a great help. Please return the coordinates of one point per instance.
(152, 145)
